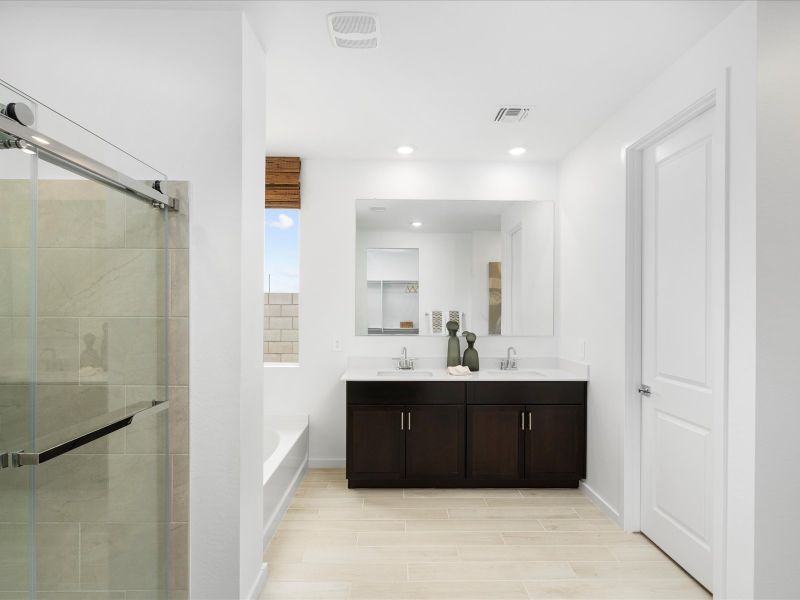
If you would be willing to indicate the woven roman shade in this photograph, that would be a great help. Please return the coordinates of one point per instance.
(282, 189)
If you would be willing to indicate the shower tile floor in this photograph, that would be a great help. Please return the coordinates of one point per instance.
(460, 544)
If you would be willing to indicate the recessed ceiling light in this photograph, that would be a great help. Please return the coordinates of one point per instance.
(405, 149)
(377, 208)
(517, 151)
(416, 223)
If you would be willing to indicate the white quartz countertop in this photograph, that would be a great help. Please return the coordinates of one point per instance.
(540, 369)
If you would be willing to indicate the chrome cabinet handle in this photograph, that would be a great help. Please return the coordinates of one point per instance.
(401, 420)
(522, 420)
(530, 421)
(409, 420)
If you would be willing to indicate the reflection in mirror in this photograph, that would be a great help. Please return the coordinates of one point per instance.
(484, 263)
(393, 291)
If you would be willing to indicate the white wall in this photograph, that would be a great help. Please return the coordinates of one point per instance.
(777, 483)
(397, 263)
(592, 266)
(251, 413)
(327, 277)
(167, 86)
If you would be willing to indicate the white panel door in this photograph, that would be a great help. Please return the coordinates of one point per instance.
(682, 341)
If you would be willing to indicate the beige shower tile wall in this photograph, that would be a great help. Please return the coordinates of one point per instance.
(104, 308)
(281, 328)
(178, 392)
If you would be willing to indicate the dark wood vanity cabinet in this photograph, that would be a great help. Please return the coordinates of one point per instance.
(376, 447)
(435, 442)
(405, 431)
(555, 442)
(495, 442)
(396, 442)
(540, 443)
(466, 434)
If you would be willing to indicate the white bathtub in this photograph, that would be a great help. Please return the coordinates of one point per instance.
(285, 463)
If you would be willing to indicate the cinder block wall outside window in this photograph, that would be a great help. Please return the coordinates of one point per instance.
(281, 325)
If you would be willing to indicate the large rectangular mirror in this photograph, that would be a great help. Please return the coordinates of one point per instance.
(487, 264)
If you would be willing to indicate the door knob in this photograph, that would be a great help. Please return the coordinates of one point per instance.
(644, 390)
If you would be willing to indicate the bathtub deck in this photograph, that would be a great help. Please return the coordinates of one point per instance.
(459, 544)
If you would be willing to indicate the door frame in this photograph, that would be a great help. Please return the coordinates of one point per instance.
(717, 99)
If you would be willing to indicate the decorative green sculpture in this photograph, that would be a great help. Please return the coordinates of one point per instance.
(453, 345)
(470, 354)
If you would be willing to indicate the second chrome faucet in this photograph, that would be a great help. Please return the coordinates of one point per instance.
(510, 363)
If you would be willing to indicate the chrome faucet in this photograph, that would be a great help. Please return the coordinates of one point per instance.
(510, 363)
(404, 363)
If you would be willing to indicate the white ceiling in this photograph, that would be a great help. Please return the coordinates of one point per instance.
(444, 68)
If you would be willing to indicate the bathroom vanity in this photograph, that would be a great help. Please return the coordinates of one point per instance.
(490, 429)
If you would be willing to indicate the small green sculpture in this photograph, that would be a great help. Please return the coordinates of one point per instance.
(453, 345)
(470, 354)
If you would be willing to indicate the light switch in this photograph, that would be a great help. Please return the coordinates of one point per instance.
(336, 345)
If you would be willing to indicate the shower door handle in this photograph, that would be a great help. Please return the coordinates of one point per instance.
(22, 459)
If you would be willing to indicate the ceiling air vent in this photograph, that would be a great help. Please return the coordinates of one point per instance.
(353, 30)
(511, 114)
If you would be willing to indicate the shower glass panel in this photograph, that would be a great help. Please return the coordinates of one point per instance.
(83, 346)
(17, 372)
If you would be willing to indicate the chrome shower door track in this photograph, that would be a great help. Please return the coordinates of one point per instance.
(63, 156)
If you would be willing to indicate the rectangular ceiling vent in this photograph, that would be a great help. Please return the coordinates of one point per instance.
(353, 30)
(511, 114)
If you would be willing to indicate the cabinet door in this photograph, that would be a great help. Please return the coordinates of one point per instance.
(554, 441)
(494, 441)
(376, 442)
(435, 442)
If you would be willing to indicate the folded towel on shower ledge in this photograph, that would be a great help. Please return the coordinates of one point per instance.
(458, 371)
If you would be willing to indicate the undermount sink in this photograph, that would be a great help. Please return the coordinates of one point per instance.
(405, 373)
(516, 373)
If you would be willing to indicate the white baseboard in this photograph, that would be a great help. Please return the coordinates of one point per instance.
(277, 514)
(326, 463)
(601, 503)
(258, 584)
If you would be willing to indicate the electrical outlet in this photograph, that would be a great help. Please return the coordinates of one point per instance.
(336, 345)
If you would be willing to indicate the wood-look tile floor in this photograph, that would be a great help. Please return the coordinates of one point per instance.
(460, 544)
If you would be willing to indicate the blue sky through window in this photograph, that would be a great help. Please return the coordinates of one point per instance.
(281, 250)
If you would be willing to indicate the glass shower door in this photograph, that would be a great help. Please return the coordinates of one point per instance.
(101, 509)
(84, 495)
(17, 528)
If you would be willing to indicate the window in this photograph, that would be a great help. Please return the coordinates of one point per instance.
(281, 285)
